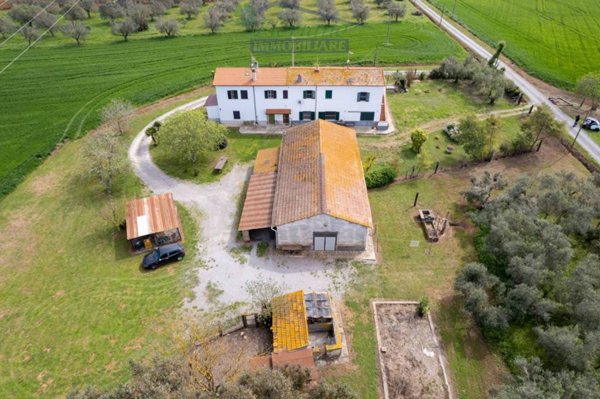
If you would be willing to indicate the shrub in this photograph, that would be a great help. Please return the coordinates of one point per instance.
(380, 175)
(423, 307)
(418, 137)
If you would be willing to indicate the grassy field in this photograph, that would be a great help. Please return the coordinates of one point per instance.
(557, 41)
(74, 305)
(56, 88)
(408, 273)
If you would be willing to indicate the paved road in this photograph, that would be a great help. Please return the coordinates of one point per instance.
(224, 265)
(534, 94)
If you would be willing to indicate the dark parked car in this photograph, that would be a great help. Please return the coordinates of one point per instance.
(162, 255)
(591, 124)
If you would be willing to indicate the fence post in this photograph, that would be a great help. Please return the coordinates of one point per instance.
(539, 145)
(437, 165)
(416, 198)
(530, 110)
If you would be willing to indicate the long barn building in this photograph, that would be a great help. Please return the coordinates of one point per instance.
(311, 191)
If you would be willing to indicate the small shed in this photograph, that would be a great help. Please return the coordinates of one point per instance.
(152, 221)
(212, 108)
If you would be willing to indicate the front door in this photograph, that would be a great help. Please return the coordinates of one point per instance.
(271, 118)
(286, 119)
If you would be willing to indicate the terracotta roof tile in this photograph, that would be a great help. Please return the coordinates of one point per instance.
(320, 172)
(300, 76)
(290, 328)
(258, 205)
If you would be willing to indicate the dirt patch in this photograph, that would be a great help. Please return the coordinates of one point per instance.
(409, 353)
(43, 184)
(17, 230)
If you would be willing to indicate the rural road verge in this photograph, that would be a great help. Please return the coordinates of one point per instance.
(535, 95)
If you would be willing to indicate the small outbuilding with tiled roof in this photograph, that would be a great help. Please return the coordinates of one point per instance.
(315, 196)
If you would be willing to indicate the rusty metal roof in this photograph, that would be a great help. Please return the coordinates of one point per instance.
(151, 215)
(278, 111)
(258, 205)
(320, 172)
(300, 76)
(290, 328)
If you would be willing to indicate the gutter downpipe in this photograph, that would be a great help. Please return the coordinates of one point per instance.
(254, 98)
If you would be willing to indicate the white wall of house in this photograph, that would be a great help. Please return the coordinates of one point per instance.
(300, 233)
(212, 112)
(343, 102)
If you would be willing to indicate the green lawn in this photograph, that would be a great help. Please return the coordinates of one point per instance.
(430, 100)
(240, 149)
(74, 304)
(431, 105)
(556, 41)
(56, 88)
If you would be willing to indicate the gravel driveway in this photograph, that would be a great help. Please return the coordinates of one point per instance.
(227, 267)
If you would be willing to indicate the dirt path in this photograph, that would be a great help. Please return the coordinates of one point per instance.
(226, 268)
(535, 95)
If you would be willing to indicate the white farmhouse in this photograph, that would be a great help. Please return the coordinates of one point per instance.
(349, 95)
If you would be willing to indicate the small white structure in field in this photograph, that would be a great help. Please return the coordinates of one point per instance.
(349, 95)
(313, 195)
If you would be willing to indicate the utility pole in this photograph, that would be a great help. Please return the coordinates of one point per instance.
(580, 127)
(293, 45)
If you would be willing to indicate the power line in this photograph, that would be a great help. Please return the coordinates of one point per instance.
(39, 38)
(28, 22)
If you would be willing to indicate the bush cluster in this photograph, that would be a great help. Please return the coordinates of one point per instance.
(380, 175)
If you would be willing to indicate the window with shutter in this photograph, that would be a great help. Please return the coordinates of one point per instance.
(328, 94)
(285, 94)
(363, 96)
(232, 94)
(244, 94)
(270, 94)
(308, 94)
(236, 115)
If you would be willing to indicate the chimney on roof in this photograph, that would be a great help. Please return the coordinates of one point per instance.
(317, 69)
(299, 78)
(254, 67)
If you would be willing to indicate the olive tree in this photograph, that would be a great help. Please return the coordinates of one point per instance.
(156, 9)
(24, 13)
(111, 11)
(213, 19)
(396, 10)
(169, 26)
(290, 17)
(74, 12)
(7, 27)
(251, 18)
(360, 11)
(588, 87)
(327, 11)
(76, 30)
(539, 125)
(30, 34)
(117, 115)
(191, 8)
(46, 21)
(190, 137)
(89, 6)
(293, 4)
(124, 28)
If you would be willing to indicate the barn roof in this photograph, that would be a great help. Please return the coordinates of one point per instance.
(258, 205)
(320, 172)
(290, 328)
(300, 76)
(150, 215)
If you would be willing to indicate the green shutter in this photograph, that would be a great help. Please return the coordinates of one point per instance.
(312, 116)
(301, 116)
(328, 94)
(321, 115)
(337, 116)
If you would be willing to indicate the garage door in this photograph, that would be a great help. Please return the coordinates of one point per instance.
(325, 241)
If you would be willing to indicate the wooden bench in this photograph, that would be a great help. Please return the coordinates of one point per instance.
(220, 164)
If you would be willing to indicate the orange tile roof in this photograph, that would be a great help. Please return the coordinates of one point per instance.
(320, 172)
(266, 160)
(335, 76)
(243, 77)
(258, 205)
(290, 328)
(151, 215)
(300, 76)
